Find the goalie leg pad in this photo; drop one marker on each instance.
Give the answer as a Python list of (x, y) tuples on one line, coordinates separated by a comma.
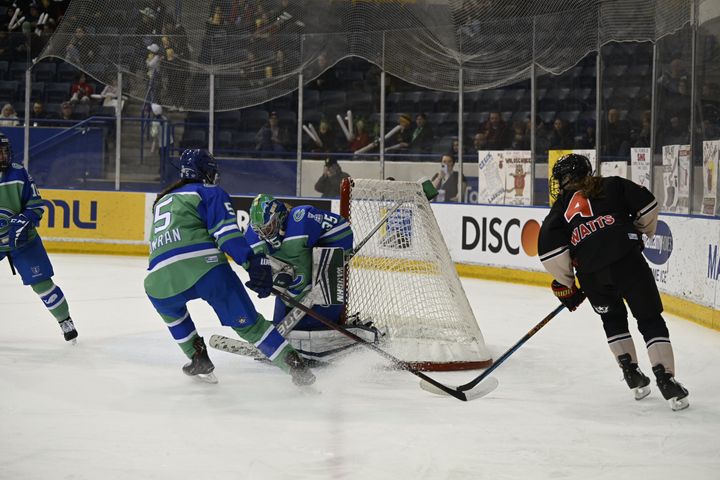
[(327, 345)]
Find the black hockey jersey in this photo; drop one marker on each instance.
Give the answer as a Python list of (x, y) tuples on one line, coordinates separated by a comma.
[(591, 234)]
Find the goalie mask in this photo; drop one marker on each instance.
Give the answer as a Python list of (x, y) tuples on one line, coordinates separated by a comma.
[(568, 169), (199, 165), (5, 153), (268, 218)]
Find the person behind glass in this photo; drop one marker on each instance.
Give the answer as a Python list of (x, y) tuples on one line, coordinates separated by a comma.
[(81, 91), (326, 138), (400, 142), (39, 116), (446, 180), (422, 135), (67, 115), (497, 134), (329, 182), (8, 116), (272, 137), (361, 138)]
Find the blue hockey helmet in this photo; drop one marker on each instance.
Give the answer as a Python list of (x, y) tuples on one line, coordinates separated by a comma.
[(5, 152), (199, 164), (267, 218)]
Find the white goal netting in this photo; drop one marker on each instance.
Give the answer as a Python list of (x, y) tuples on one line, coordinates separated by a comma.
[(404, 280)]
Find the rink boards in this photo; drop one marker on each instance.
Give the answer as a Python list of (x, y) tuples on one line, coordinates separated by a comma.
[(485, 241)]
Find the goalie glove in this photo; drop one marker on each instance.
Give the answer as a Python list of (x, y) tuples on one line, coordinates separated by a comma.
[(571, 297), (19, 231)]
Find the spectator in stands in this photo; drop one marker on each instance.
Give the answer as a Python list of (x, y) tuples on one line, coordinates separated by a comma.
[(561, 137), (498, 135), (480, 141), (586, 137), (67, 114), (422, 136), (162, 142), (79, 50), (81, 90), (272, 137), (109, 95), (329, 182), (446, 180), (454, 149), (641, 138), (670, 79), (8, 116), (327, 80), (521, 140), (39, 115), (615, 141), (676, 132), (326, 136), (361, 138), (400, 142)]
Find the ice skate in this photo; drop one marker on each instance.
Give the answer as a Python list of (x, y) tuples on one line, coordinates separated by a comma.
[(671, 389), (301, 374), (635, 379), (200, 366), (69, 332)]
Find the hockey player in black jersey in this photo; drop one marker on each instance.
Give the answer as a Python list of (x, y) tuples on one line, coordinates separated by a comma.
[(594, 230)]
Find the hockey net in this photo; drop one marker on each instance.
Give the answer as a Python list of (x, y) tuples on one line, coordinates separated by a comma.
[(404, 281)]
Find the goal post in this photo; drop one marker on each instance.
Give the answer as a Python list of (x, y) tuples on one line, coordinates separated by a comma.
[(404, 281)]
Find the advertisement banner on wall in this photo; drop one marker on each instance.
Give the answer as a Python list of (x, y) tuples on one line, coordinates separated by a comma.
[(504, 177), (107, 217), (711, 157), (683, 256), (500, 236), (676, 178), (554, 156), (613, 169), (640, 160)]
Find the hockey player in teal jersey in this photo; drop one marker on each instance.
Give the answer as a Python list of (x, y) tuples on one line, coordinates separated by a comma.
[(290, 236), (20, 211), (194, 226)]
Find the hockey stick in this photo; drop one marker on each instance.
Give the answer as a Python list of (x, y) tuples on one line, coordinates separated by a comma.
[(464, 395), (430, 387)]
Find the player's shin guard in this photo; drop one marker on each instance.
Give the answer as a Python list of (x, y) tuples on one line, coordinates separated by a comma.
[(53, 298), (183, 331)]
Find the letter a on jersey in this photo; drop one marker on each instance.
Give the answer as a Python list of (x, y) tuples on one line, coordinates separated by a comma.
[(579, 205)]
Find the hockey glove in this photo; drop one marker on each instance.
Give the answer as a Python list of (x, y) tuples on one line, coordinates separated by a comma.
[(571, 297), (261, 281), (19, 232), (282, 281)]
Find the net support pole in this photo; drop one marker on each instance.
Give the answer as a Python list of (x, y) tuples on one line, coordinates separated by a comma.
[(382, 112), (298, 155), (653, 115), (211, 116), (533, 114), (460, 135), (118, 128), (693, 52), (26, 130)]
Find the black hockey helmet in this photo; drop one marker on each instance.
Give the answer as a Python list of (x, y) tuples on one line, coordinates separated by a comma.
[(6, 155), (569, 168)]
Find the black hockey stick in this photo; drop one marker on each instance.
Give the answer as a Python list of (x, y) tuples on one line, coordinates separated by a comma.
[(12, 265), (463, 395), (499, 361)]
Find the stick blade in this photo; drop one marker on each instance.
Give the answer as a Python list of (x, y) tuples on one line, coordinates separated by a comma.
[(478, 391)]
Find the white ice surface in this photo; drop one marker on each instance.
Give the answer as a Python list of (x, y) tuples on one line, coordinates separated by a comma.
[(117, 406)]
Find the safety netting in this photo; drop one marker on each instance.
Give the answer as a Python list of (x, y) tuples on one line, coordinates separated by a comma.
[(180, 52)]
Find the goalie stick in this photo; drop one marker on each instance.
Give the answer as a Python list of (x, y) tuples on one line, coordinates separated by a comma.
[(431, 387), (464, 395)]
